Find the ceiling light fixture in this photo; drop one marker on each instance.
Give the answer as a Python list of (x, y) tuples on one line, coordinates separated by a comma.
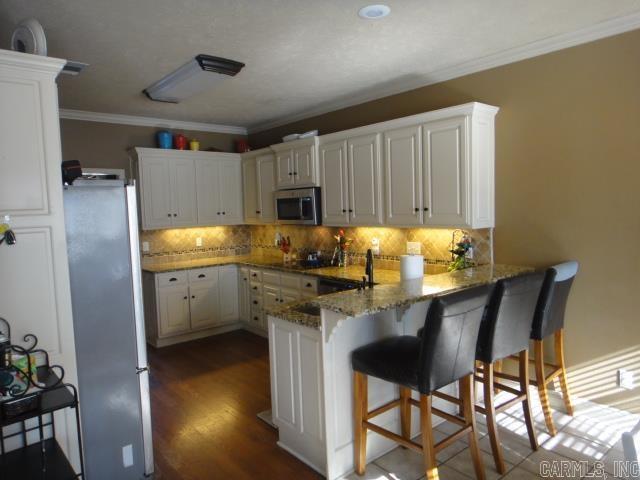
[(193, 77), (373, 12)]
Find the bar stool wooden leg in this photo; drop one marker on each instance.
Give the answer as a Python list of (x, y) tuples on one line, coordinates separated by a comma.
[(490, 412), (566, 396), (468, 406), (405, 412), (429, 454), (538, 351), (526, 403), (497, 367), (360, 410)]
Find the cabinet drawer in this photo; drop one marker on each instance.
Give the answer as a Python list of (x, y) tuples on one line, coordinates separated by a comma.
[(202, 274), (271, 278), (256, 288), (256, 316), (172, 278), (255, 275), (256, 302), (309, 285), (291, 282)]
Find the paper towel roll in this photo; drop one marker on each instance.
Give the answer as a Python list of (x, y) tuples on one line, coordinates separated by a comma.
[(411, 266)]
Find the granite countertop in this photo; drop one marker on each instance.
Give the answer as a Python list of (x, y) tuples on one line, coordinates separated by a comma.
[(350, 272), (354, 303)]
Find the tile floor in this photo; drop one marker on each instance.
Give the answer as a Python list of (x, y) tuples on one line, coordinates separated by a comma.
[(591, 435)]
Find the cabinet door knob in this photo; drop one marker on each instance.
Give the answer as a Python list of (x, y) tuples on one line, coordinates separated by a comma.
[(308, 285), (295, 173), (417, 209), (426, 209), (193, 296), (224, 213), (175, 214), (290, 173), (255, 288), (217, 213), (185, 298), (344, 210), (168, 214), (254, 274), (202, 275), (350, 211), (258, 212), (255, 318)]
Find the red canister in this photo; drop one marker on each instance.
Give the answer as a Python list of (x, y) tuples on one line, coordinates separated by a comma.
[(179, 141)]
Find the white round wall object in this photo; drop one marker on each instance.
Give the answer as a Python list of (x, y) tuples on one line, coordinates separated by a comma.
[(372, 12), (29, 37)]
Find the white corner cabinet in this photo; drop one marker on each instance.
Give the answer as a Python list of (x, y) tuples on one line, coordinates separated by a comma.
[(296, 163), (259, 185), (182, 188), (189, 304), (437, 170)]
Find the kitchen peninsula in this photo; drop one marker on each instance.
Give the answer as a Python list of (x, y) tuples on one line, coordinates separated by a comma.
[(310, 343)]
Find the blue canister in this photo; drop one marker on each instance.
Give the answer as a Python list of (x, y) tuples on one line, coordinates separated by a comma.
[(165, 139)]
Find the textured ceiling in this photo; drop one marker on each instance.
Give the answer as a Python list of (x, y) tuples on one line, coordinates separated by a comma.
[(299, 54)]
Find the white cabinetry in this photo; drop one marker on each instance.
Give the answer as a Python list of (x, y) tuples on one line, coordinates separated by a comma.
[(297, 163), (185, 305), (184, 188), (35, 296), (295, 355), (440, 173), (258, 173), (351, 181)]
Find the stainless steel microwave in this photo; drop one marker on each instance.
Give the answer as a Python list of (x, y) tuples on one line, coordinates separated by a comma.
[(300, 206)]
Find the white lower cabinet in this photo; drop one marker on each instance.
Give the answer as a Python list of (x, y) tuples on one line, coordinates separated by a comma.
[(185, 305), (295, 356)]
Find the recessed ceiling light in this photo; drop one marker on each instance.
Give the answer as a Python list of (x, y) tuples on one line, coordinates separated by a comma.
[(372, 12)]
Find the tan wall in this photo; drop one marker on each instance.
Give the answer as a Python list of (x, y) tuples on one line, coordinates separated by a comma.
[(105, 144), (567, 186)]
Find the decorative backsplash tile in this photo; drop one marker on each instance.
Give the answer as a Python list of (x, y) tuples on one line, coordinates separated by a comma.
[(179, 243)]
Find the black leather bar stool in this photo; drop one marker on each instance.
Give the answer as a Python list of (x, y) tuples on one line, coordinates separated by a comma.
[(444, 354), (505, 330), (549, 320)]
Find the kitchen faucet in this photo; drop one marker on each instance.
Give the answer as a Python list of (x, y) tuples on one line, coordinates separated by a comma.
[(368, 269)]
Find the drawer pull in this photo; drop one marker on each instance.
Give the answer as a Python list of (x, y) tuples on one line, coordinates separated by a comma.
[(193, 296), (255, 302), (255, 318), (202, 275), (185, 298), (255, 288), (173, 279), (254, 274), (309, 285)]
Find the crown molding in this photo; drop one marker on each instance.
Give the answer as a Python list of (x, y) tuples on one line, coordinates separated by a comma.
[(116, 118), (9, 58), (598, 31)]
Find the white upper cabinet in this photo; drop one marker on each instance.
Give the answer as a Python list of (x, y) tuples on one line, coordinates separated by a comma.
[(334, 183), (266, 188), (250, 189), (182, 176), (432, 169), (296, 163), (284, 169), (402, 166), (363, 163), (155, 192), (259, 182), (184, 188), (446, 165), (207, 173), (229, 186)]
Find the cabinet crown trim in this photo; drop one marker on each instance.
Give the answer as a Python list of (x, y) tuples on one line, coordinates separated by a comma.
[(10, 58)]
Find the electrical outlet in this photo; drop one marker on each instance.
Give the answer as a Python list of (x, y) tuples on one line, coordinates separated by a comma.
[(127, 456), (199, 242), (414, 248), (625, 379), (375, 246), (145, 246)]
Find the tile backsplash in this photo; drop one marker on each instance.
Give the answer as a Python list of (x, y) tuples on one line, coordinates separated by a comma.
[(260, 239)]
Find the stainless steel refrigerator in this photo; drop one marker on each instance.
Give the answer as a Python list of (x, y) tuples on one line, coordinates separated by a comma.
[(108, 317)]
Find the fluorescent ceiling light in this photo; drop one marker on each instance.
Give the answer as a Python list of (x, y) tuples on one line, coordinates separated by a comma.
[(371, 12), (193, 77)]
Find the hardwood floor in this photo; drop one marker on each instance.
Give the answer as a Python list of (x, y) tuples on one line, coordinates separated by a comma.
[(205, 396)]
